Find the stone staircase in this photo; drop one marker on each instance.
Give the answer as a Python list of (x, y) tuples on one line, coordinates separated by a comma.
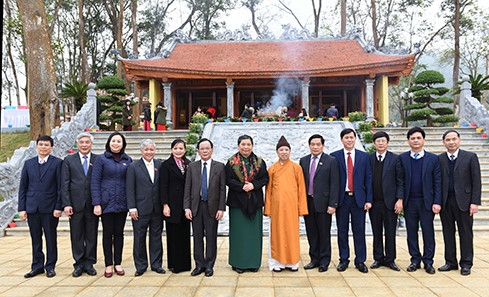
[(471, 141)]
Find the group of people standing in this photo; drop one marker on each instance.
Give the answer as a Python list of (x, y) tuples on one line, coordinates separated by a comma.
[(348, 183)]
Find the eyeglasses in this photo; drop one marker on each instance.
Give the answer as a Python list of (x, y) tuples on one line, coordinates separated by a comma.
[(205, 149)]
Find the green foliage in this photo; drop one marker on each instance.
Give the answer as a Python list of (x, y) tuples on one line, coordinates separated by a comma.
[(356, 116), (364, 127), (446, 119), (200, 119), (368, 137), (444, 111), (370, 149), (192, 138), (428, 98), (478, 84), (114, 89), (429, 77), (195, 128), (111, 82), (415, 106), (76, 90), (190, 151), (443, 100)]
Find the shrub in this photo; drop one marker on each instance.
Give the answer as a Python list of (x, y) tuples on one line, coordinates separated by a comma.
[(365, 127), (200, 119), (195, 128), (356, 116), (192, 138), (368, 137), (190, 151)]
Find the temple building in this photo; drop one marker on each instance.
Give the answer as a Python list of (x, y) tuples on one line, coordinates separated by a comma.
[(304, 72)]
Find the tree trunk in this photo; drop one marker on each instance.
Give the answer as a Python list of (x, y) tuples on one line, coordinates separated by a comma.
[(41, 83), (85, 73), (456, 54), (343, 17), (375, 32)]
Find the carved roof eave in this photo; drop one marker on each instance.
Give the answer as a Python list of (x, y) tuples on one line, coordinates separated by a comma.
[(396, 68)]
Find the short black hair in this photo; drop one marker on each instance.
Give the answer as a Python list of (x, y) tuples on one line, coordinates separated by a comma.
[(347, 131), (124, 143), (177, 141), (415, 130), (204, 139), (380, 134), (316, 136), (244, 137), (45, 138), (450, 131)]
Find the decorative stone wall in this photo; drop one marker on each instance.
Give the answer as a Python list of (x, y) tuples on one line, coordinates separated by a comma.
[(64, 139)]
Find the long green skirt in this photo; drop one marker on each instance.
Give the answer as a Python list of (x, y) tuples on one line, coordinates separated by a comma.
[(245, 239)]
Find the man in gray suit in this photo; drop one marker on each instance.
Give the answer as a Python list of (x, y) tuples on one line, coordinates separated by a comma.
[(204, 203), (322, 178), (461, 197), (145, 209), (388, 193), (76, 174)]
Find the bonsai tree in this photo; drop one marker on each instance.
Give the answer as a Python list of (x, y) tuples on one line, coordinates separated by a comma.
[(113, 90), (430, 100)]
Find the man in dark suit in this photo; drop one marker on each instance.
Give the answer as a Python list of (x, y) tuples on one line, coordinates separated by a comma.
[(204, 203), (388, 193), (461, 196), (321, 176), (40, 204), (422, 198), (145, 209), (356, 183), (76, 174)]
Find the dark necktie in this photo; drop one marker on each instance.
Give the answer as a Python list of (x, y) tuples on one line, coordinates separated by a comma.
[(452, 158), (350, 172), (312, 171), (85, 165), (204, 182), (416, 156)]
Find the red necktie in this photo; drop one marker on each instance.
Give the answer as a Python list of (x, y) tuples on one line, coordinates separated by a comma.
[(350, 172)]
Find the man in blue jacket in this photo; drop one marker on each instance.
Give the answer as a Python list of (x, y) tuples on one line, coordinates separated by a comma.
[(40, 204), (422, 198)]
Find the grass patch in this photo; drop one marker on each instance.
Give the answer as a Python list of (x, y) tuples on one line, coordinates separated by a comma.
[(9, 142)]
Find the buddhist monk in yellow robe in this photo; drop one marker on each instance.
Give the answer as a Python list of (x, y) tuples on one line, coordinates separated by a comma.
[(285, 201)]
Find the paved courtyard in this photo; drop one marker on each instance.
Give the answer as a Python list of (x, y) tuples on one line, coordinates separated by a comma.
[(15, 256)]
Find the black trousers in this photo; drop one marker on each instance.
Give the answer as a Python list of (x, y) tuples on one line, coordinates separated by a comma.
[(318, 229), (153, 222), (113, 237), (40, 223), (384, 224), (83, 236), (204, 223), (450, 214)]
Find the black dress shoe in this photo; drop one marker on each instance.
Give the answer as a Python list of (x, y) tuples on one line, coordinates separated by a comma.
[(33, 273), (429, 269), (209, 272), (238, 270), (139, 272), (197, 271), (323, 268), (465, 271), (447, 267), (361, 267), (392, 266), (77, 272), (91, 271), (50, 273), (342, 266), (311, 266), (375, 265), (413, 267), (159, 270), (253, 269), (292, 269)]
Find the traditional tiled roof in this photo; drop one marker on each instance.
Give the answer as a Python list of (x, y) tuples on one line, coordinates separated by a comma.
[(266, 59)]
